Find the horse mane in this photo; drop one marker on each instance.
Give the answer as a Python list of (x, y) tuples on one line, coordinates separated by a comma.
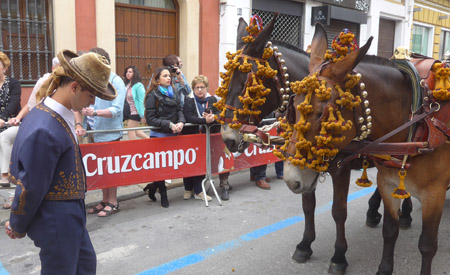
[(289, 46), (378, 60)]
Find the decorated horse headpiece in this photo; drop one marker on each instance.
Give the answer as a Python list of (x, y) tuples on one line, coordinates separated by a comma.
[(332, 123), (254, 93)]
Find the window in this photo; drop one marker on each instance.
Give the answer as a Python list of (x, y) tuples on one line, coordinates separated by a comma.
[(26, 37), (164, 4), (444, 51), (287, 28), (420, 39)]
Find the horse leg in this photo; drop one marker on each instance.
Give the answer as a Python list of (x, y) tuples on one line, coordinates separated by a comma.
[(341, 181), (373, 217), (432, 207), (405, 217), (303, 250)]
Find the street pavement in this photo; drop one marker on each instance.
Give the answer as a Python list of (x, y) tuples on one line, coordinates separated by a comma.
[(255, 232)]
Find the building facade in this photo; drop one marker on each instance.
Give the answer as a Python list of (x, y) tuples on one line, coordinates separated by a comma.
[(142, 32)]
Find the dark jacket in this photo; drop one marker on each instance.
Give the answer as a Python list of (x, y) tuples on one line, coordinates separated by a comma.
[(12, 107), (193, 116), (160, 110)]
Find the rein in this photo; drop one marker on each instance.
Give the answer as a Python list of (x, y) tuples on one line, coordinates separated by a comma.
[(377, 147)]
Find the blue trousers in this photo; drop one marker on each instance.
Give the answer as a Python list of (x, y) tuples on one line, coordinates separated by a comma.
[(59, 230), (279, 168), (259, 172)]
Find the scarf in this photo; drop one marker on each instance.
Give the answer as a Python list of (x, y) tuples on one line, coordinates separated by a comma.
[(51, 83), (201, 104), (166, 91)]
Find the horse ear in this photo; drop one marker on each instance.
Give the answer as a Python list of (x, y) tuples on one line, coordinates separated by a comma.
[(241, 32), (256, 48), (339, 70), (319, 46)]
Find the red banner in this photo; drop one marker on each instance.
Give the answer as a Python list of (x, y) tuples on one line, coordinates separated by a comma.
[(122, 163)]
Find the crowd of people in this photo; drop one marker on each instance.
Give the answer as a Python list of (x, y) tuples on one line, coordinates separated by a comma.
[(45, 161), (167, 103)]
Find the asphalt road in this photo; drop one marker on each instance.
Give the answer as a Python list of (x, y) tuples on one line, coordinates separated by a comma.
[(255, 232)]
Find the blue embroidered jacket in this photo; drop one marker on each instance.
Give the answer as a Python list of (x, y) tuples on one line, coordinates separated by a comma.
[(46, 164)]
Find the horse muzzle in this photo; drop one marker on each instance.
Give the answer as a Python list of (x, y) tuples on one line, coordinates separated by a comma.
[(233, 139), (299, 180)]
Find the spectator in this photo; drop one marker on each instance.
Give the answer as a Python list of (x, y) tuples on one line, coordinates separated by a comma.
[(178, 79), (46, 164), (163, 109), (198, 110), (107, 115), (10, 92), (7, 137), (134, 101), (258, 174)]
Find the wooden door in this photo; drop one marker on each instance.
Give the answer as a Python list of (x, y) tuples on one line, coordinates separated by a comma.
[(144, 36), (386, 36)]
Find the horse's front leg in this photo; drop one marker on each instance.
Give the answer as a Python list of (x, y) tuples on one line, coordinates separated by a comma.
[(405, 218), (341, 181), (303, 250)]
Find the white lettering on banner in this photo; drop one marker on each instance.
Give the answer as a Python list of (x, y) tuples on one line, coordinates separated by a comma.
[(85, 159), (111, 168), (251, 150), (127, 163), (133, 162)]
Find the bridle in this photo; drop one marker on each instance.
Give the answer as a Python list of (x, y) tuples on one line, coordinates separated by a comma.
[(255, 79)]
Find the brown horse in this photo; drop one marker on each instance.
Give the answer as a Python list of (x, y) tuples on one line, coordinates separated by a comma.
[(297, 63), (388, 102)]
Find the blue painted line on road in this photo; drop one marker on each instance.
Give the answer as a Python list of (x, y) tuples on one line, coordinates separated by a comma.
[(3, 270), (205, 254)]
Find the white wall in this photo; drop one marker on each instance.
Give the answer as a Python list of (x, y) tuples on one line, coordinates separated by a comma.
[(229, 21)]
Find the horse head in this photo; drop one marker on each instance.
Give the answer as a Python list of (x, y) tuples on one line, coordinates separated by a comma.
[(256, 81), (321, 115)]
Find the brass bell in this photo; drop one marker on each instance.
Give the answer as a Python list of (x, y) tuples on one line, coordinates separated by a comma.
[(362, 86), (269, 43), (358, 75), (366, 103), (275, 48), (364, 94), (360, 120), (285, 69), (282, 61), (369, 131), (368, 111), (286, 75), (369, 119), (282, 90), (363, 128), (369, 125), (287, 82), (288, 90), (279, 54)]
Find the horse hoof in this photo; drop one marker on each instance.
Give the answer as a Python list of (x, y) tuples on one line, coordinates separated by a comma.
[(404, 222), (372, 221), (337, 269), (301, 256)]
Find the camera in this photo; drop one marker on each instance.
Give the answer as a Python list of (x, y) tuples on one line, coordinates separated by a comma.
[(173, 69), (208, 110)]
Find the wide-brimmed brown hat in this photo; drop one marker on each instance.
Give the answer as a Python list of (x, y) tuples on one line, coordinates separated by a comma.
[(91, 71)]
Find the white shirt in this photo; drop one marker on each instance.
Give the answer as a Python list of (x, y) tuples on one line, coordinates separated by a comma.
[(65, 113)]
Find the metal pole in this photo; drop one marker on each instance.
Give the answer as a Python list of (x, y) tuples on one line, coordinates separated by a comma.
[(208, 176)]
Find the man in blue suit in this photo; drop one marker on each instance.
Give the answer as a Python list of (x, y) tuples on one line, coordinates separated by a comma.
[(47, 168)]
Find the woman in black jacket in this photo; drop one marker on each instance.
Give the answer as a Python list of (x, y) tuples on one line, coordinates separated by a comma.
[(10, 92), (200, 110), (163, 110)]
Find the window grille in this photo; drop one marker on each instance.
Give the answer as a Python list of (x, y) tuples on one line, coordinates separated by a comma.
[(26, 37), (287, 28)]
